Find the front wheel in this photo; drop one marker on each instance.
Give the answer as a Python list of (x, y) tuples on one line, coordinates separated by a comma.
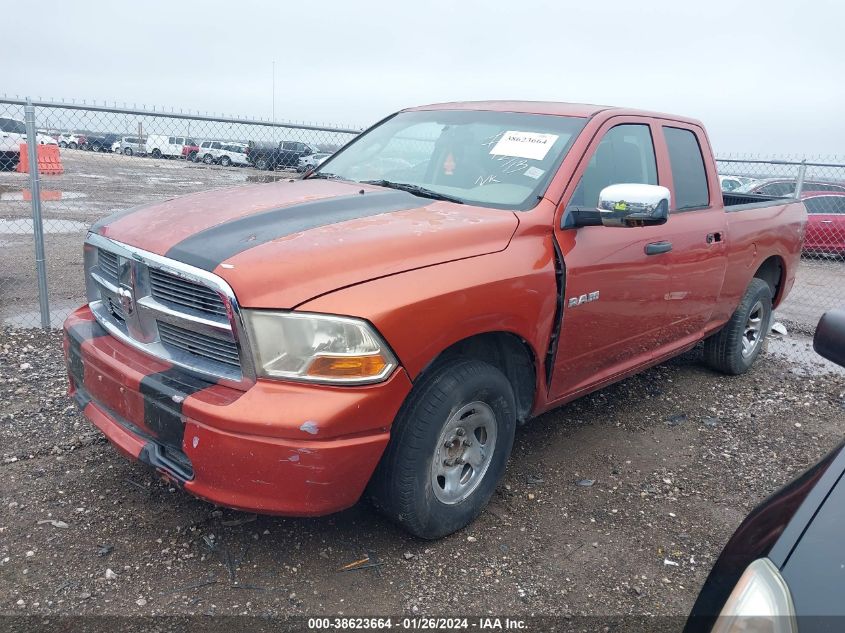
[(62, 144), (156, 153), (262, 163), (128, 151), (448, 449), (734, 348), (225, 161), (208, 159)]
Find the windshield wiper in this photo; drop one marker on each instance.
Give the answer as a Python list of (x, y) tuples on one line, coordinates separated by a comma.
[(416, 190), (323, 174)]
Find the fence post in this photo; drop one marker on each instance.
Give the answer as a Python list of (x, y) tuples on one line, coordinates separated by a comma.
[(37, 225), (799, 184)]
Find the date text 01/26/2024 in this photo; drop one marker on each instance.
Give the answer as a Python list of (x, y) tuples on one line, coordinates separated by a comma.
[(416, 623)]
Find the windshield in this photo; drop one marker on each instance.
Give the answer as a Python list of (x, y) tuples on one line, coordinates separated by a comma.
[(494, 159)]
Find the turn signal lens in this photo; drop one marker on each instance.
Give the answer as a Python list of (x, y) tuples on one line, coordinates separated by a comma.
[(347, 366)]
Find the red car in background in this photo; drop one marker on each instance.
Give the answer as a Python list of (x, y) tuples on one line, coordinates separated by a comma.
[(190, 149), (825, 222)]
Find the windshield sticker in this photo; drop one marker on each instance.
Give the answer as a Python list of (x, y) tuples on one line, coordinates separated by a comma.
[(534, 172), (533, 145)]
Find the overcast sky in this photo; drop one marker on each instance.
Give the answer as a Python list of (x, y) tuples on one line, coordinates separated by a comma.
[(765, 77)]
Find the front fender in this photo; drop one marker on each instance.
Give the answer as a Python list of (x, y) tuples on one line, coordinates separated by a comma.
[(422, 312)]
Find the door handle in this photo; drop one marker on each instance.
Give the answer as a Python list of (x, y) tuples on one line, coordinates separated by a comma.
[(655, 248), (714, 237), (827, 221)]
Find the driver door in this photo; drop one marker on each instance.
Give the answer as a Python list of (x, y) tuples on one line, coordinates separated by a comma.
[(614, 308)]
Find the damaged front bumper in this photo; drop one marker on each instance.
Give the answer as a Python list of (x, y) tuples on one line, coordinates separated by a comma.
[(277, 448)]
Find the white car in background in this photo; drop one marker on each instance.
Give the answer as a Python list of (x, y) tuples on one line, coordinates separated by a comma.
[(12, 134), (159, 145), (70, 140), (312, 160), (732, 183), (222, 153)]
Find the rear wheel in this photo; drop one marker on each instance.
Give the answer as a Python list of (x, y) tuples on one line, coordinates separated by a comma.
[(225, 161), (208, 159), (448, 449), (734, 348), (96, 147), (262, 163), (62, 144), (156, 153), (128, 151)]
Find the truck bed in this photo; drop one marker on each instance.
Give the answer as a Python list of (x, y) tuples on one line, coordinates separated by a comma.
[(741, 201)]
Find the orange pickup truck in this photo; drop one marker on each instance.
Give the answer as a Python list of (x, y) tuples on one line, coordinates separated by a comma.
[(382, 325)]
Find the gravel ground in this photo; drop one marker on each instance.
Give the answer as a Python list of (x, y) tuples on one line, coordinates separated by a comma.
[(669, 462)]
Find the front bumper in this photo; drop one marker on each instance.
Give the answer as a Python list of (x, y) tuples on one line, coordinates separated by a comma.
[(277, 448)]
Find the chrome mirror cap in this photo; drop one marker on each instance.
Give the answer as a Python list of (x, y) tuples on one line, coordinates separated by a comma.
[(634, 204)]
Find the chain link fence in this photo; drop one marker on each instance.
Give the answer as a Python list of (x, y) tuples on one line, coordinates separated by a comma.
[(94, 160)]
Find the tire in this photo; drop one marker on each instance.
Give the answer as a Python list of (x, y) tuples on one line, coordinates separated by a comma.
[(225, 161), (192, 157), (410, 485), (83, 146), (96, 147), (262, 163), (127, 151), (156, 153), (734, 348), (208, 159), (63, 145)]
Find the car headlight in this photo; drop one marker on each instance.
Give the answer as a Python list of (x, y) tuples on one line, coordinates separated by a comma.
[(317, 348), (759, 603)]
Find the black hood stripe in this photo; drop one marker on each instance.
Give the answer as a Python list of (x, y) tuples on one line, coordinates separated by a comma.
[(208, 248)]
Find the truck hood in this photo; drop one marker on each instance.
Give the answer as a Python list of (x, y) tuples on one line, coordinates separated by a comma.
[(281, 244)]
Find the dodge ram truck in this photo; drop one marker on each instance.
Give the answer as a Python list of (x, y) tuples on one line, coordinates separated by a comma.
[(381, 326)]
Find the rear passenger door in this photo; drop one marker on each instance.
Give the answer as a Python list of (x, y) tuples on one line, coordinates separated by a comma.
[(697, 229)]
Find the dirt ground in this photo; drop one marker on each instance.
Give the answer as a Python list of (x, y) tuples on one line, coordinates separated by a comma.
[(669, 462)]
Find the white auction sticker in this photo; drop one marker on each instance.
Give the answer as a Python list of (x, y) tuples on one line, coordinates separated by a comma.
[(534, 145), (533, 172)]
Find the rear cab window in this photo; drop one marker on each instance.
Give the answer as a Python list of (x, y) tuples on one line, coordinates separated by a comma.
[(689, 175)]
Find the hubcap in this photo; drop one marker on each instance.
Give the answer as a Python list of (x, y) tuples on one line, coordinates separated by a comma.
[(463, 452), (753, 330)]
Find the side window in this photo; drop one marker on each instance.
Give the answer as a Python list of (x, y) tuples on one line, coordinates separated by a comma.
[(289, 145), (777, 189), (172, 140), (624, 155), (216, 145), (825, 205), (688, 174)]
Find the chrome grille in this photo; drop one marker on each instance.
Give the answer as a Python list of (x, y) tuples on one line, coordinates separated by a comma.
[(174, 290), (200, 344), (108, 264), (179, 313)]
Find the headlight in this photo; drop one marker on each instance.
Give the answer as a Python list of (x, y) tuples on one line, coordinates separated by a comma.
[(759, 603), (317, 348)]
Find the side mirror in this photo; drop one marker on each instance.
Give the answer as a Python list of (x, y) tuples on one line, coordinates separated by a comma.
[(829, 339), (634, 205)]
